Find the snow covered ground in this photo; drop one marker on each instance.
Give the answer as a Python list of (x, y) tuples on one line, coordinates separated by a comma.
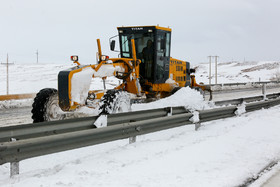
[(221, 153)]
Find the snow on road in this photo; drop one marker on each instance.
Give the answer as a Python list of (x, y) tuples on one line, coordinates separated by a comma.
[(221, 153)]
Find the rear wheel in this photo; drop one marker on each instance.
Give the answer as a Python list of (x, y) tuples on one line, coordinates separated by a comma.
[(45, 106), (115, 101)]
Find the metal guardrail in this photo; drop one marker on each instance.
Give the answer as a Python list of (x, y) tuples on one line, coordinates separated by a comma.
[(26, 131), (246, 99), (245, 83), (27, 148)]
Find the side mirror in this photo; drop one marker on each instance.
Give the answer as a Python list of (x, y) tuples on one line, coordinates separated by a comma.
[(192, 70), (162, 44), (112, 45)]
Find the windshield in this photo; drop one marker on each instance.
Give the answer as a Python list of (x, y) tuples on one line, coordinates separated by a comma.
[(144, 45), (141, 41)]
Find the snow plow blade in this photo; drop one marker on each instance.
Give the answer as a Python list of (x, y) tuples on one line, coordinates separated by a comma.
[(69, 83)]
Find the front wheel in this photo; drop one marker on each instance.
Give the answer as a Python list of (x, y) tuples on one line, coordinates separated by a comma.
[(45, 106), (115, 101)]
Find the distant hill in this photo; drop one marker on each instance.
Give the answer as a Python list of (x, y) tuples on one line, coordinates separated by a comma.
[(229, 72)]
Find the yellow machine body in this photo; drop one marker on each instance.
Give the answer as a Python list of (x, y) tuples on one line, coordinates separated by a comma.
[(144, 66)]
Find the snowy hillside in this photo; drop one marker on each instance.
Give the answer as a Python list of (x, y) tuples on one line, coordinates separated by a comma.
[(30, 78), (230, 72)]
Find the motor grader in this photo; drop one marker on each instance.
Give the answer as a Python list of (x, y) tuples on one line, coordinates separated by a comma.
[(144, 66)]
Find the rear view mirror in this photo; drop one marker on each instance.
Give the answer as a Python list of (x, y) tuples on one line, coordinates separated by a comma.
[(112, 45)]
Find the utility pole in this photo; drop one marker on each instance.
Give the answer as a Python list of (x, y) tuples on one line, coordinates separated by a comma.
[(210, 69), (7, 74), (37, 53), (216, 69)]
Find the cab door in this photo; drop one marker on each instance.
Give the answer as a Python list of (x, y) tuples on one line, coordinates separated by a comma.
[(162, 56)]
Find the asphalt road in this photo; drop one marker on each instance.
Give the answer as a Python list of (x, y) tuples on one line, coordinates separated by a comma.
[(15, 116)]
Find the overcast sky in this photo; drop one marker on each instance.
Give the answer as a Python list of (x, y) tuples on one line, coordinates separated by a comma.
[(232, 29)]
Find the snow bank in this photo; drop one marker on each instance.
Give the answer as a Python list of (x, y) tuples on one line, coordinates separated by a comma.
[(186, 96)]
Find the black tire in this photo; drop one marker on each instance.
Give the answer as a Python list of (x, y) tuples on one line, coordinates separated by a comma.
[(43, 102), (111, 101)]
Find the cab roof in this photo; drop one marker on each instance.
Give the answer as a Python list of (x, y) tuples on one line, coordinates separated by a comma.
[(146, 27)]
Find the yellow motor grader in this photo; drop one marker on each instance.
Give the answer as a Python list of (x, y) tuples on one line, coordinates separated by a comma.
[(145, 69)]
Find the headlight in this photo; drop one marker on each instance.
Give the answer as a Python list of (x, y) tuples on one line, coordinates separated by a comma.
[(104, 58), (74, 58)]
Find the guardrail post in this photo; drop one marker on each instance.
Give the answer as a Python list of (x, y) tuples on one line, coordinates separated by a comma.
[(169, 111), (14, 166), (132, 139), (264, 91), (197, 126), (195, 119)]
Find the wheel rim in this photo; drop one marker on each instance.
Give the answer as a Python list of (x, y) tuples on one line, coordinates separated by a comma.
[(53, 111), (122, 103)]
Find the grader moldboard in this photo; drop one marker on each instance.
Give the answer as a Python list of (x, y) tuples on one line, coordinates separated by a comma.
[(145, 68)]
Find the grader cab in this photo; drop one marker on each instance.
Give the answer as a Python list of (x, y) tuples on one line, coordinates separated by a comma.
[(145, 69)]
